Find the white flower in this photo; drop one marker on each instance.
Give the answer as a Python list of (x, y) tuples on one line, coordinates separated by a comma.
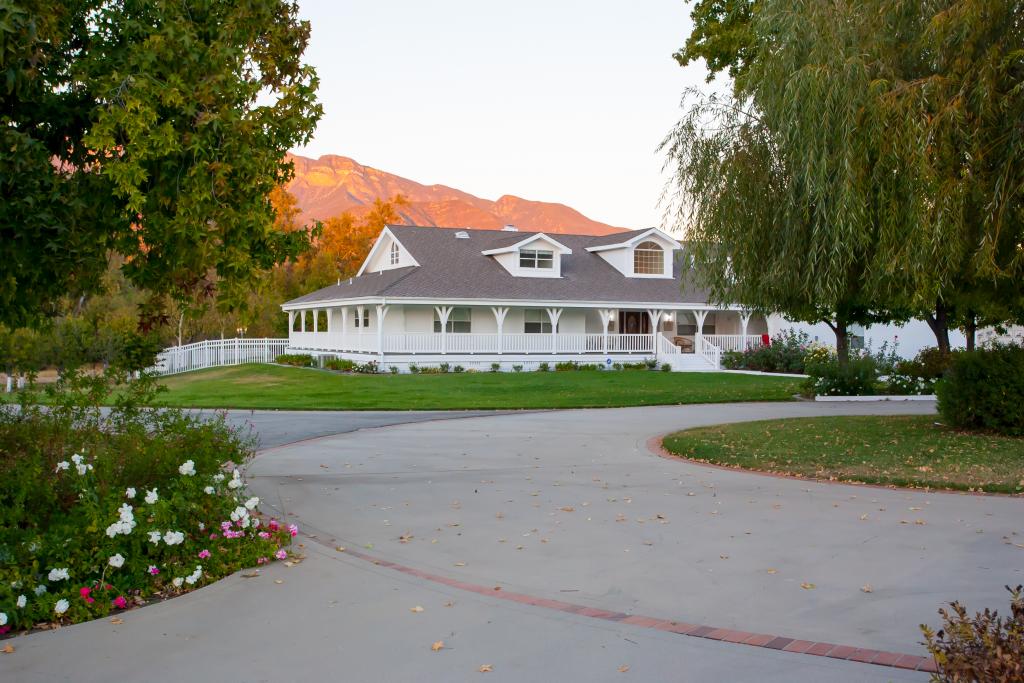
[(130, 492), (209, 490), (174, 537), (3, 619), (218, 478), (154, 536), (178, 581), (58, 574), (239, 513), (77, 459), (116, 561), (202, 527), (62, 465), (194, 576), (125, 513), (188, 468), (252, 503), (234, 483), (61, 607), (151, 497), (82, 469), (22, 601), (246, 521), (40, 589), (16, 584)]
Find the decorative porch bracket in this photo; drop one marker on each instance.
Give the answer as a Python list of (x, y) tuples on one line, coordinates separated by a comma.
[(499, 317), (443, 312), (744, 321), (553, 315), (699, 317), (655, 315), (607, 315)]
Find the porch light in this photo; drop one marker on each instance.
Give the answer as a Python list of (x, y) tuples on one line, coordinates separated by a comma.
[(668, 317)]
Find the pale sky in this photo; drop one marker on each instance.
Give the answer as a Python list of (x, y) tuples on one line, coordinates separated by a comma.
[(554, 101)]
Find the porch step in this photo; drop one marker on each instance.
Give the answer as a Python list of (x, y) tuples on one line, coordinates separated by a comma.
[(687, 362)]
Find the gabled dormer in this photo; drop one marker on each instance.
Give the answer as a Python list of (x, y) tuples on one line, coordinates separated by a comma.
[(535, 256), (387, 253), (639, 254)]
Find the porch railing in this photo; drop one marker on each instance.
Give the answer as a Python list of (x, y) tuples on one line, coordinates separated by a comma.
[(734, 342), (710, 351), (457, 342), (215, 352)]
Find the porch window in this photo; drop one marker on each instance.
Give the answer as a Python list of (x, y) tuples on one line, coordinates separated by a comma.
[(536, 321), (648, 259), (536, 259), (365, 322), (458, 321), (393, 254)]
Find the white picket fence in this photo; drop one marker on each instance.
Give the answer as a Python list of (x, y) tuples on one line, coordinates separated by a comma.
[(212, 353)]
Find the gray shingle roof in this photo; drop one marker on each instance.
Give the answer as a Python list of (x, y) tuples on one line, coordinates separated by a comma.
[(454, 268)]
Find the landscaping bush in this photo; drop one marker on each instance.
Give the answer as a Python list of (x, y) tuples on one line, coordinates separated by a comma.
[(984, 389), (299, 360), (651, 363), (983, 648), (495, 367), (565, 366), (340, 364), (103, 510), (517, 368), (543, 367), (393, 369), (368, 368), (919, 375), (459, 368), (414, 369), (444, 367), (859, 377), (787, 352), (665, 367)]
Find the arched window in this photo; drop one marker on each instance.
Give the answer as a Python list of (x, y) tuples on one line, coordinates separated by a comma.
[(648, 259), (394, 255)]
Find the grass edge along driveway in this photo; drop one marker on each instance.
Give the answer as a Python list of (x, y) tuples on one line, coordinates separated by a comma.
[(279, 387), (908, 450)]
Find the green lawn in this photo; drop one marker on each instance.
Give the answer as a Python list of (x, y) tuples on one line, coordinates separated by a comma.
[(903, 451), (269, 386)]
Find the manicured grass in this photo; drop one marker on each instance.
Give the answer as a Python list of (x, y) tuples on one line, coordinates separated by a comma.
[(902, 451), (270, 386)]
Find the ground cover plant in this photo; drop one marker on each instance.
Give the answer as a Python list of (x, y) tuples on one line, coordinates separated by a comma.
[(901, 450), (268, 386), (102, 510)]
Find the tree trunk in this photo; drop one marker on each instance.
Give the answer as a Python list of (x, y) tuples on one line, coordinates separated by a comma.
[(842, 332), (971, 331), (939, 322)]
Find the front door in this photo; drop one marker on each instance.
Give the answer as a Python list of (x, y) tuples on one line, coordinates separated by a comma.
[(634, 322)]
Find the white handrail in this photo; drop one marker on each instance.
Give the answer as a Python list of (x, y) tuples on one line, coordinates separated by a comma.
[(211, 353), (712, 353), (734, 342)]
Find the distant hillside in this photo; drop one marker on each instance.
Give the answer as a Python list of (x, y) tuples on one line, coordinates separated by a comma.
[(332, 184)]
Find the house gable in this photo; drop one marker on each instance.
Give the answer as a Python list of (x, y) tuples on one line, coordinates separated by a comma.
[(537, 255), (387, 253), (646, 254)]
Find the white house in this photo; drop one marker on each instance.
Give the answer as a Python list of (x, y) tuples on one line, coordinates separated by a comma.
[(427, 296)]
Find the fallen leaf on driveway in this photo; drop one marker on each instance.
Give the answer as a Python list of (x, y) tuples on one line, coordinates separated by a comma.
[(808, 586), (624, 668), (340, 548), (417, 609), (278, 581), (460, 564), (568, 508), (8, 649), (250, 575), (484, 668), (773, 571), (437, 646), (117, 620), (867, 588)]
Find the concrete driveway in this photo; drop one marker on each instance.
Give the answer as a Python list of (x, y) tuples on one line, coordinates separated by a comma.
[(554, 509)]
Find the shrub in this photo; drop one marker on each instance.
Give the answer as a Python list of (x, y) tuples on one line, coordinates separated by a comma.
[(459, 368), (565, 366), (543, 367), (589, 366), (101, 510), (300, 360), (984, 389), (495, 367), (414, 369), (340, 364), (616, 366), (788, 351), (651, 363), (368, 368), (444, 367), (430, 370), (517, 368), (859, 377), (634, 366), (983, 648), (393, 369), (665, 367)]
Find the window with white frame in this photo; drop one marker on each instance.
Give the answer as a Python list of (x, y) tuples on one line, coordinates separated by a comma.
[(648, 259), (459, 320), (536, 259), (365, 322), (537, 321), (394, 255)]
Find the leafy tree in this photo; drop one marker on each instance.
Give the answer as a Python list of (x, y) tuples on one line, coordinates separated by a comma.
[(154, 130), (721, 36)]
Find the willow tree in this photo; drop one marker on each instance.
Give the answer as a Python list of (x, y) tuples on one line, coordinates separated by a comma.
[(785, 186), (154, 131)]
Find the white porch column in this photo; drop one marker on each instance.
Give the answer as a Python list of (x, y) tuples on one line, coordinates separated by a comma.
[(344, 327), (499, 317), (655, 315), (291, 324), (358, 346), (699, 316), (607, 315), (302, 321), (316, 319), (330, 313), (744, 321), (382, 313), (443, 312), (553, 315)]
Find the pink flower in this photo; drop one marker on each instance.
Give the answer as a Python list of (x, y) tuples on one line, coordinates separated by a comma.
[(264, 535), (261, 560), (84, 592), (225, 525), (213, 537), (203, 554), (120, 602), (4, 629), (281, 554), (153, 570), (274, 526), (293, 530)]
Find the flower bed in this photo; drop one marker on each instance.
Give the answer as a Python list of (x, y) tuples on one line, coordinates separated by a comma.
[(100, 512)]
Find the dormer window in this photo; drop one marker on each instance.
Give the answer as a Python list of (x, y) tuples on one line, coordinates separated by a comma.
[(648, 259), (536, 259), (394, 255)]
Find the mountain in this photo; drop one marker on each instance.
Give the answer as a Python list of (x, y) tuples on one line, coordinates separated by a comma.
[(333, 184)]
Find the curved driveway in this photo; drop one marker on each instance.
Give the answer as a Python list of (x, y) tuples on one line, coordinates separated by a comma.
[(567, 505)]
